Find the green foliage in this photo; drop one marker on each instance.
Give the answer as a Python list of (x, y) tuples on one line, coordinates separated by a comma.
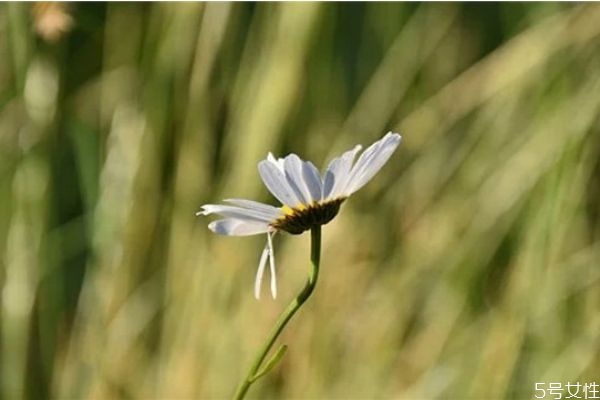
[(469, 268)]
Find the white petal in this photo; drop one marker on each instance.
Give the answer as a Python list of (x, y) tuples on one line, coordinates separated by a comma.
[(329, 178), (293, 173), (370, 162), (261, 269), (312, 178), (236, 212), (265, 209), (278, 162), (272, 266), (366, 156), (277, 184), (338, 172), (238, 227)]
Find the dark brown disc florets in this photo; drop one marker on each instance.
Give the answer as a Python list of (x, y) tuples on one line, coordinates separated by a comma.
[(297, 220)]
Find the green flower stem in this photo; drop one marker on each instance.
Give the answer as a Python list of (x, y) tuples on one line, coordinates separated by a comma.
[(284, 318)]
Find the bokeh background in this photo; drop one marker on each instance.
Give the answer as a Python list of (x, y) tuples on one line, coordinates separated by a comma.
[(469, 268)]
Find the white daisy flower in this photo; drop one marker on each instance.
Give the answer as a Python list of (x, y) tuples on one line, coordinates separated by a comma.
[(308, 199)]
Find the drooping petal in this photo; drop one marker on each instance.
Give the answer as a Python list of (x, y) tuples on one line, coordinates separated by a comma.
[(370, 162), (272, 265), (261, 269), (237, 212), (277, 184), (338, 172), (238, 227), (266, 209)]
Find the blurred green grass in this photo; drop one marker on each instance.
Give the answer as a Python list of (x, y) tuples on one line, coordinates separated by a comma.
[(469, 268)]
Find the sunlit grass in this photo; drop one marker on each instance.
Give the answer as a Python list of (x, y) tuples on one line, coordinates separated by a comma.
[(468, 269)]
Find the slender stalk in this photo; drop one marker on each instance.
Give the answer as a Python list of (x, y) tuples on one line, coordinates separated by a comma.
[(288, 313)]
